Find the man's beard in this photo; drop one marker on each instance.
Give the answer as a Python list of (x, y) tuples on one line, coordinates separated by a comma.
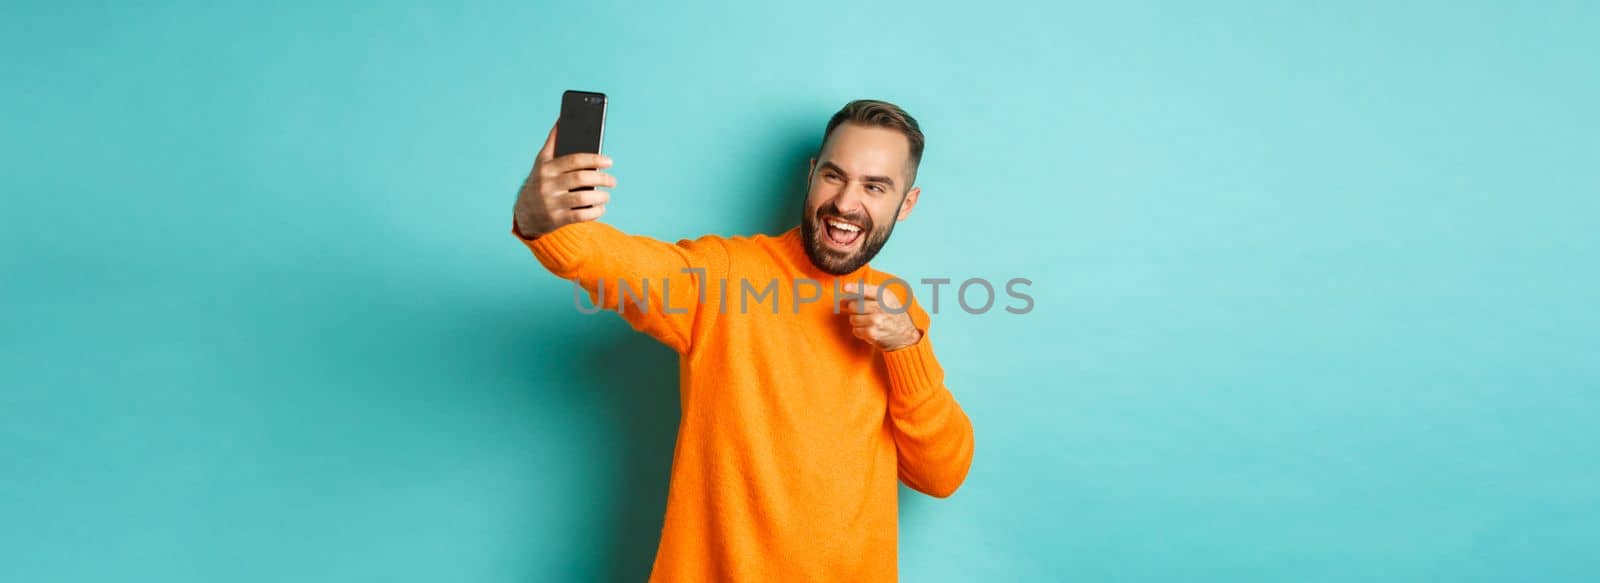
[(841, 262)]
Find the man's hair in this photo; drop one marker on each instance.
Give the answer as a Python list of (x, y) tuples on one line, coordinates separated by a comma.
[(874, 113)]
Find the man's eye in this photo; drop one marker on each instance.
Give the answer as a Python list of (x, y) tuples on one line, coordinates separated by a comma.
[(834, 177), (875, 188)]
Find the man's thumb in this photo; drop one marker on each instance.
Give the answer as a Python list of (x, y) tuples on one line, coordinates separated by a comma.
[(548, 152)]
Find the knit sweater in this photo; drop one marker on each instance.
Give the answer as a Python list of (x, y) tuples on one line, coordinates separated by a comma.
[(793, 431)]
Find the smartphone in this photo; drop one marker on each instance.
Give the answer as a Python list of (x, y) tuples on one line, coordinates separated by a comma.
[(581, 125)]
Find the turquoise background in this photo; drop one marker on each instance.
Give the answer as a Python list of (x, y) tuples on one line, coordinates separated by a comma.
[(1315, 284)]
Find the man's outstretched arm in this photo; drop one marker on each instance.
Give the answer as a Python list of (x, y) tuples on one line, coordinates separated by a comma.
[(655, 286), (932, 435)]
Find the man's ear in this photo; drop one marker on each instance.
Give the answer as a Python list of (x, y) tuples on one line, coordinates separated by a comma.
[(907, 204), (811, 171)]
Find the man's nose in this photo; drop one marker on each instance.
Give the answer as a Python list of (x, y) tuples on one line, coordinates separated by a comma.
[(849, 200)]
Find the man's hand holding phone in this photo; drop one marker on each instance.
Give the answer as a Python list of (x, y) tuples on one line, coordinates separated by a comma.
[(551, 197)]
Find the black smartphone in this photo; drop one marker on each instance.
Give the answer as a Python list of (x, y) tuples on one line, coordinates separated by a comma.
[(581, 125)]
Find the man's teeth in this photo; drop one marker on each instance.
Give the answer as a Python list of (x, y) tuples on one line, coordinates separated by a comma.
[(843, 226)]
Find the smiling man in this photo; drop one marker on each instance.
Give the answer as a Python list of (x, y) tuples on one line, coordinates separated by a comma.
[(808, 386)]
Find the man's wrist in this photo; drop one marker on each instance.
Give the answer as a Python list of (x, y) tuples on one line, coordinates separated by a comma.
[(516, 229), (916, 336)]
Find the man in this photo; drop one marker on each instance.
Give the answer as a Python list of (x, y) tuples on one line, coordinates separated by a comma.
[(807, 386)]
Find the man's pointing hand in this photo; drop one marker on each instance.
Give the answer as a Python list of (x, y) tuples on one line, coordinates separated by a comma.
[(878, 316)]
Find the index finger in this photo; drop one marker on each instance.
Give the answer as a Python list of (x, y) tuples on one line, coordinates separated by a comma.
[(877, 294), (578, 161), (858, 305), (859, 289)]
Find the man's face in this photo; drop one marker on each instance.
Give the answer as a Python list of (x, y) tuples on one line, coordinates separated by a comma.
[(859, 187)]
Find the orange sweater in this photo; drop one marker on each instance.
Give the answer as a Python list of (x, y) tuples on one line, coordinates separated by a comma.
[(793, 430)]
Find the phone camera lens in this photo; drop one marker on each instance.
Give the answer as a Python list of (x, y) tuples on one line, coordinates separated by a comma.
[(593, 99)]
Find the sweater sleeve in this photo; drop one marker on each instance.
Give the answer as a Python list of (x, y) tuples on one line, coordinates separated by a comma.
[(657, 287), (932, 435)]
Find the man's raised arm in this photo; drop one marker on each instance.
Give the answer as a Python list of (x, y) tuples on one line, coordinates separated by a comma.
[(656, 286)]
